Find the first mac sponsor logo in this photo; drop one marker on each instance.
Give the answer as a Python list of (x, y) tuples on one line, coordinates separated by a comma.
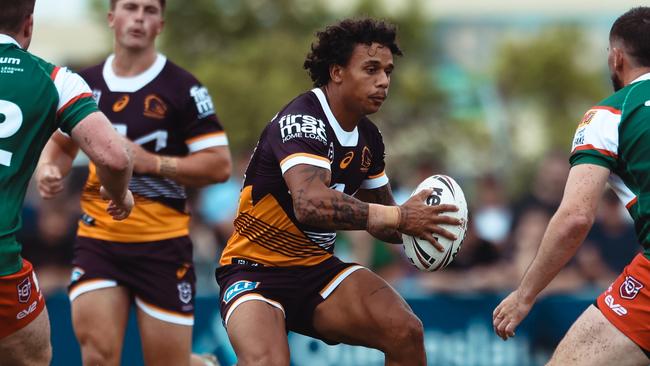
[(238, 288), (302, 126)]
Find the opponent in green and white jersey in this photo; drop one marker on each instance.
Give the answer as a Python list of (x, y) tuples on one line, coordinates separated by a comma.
[(615, 134), (36, 98)]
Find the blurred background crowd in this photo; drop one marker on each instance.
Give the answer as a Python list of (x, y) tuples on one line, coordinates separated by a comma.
[(489, 96)]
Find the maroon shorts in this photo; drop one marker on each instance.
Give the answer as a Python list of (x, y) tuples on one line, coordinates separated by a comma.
[(294, 290), (159, 274), (21, 300)]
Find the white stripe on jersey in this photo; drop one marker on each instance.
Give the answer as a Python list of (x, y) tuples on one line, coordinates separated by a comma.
[(346, 138), (69, 86), (134, 83), (622, 191), (374, 183), (221, 140), (599, 133), (301, 159)]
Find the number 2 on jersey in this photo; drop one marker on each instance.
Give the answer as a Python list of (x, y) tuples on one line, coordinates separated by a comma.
[(11, 118)]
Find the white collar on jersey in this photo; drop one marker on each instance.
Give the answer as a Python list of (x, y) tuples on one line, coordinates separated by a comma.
[(133, 83), (346, 139), (645, 76), (4, 38)]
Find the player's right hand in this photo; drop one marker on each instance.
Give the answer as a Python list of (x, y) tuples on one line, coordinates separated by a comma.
[(118, 209), (423, 221), (49, 180)]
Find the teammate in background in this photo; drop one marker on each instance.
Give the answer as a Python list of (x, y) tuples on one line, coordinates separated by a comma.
[(37, 98), (319, 167), (612, 144), (170, 123)]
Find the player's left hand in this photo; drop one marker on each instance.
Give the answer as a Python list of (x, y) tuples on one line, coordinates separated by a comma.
[(510, 312)]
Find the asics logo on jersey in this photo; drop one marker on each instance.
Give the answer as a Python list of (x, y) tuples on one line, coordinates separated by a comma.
[(302, 126), (630, 288), (10, 60), (237, 288), (121, 103), (347, 159), (203, 101)]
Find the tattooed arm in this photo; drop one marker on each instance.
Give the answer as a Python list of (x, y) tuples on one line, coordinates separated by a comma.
[(382, 195), (316, 204)]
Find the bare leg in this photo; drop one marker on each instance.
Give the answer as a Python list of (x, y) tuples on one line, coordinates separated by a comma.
[(99, 319), (365, 310), (30, 346), (258, 335), (164, 343), (593, 341)]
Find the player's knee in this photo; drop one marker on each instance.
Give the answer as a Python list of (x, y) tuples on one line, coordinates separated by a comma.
[(269, 358), (94, 352), (408, 334)]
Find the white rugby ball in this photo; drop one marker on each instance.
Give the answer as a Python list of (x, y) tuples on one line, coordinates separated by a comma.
[(420, 252)]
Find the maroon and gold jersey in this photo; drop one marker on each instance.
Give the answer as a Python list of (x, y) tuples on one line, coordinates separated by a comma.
[(304, 132), (166, 111)]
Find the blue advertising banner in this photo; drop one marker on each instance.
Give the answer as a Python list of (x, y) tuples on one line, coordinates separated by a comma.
[(458, 331)]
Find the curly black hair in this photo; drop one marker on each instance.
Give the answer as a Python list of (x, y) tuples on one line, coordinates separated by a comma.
[(336, 44), (633, 28)]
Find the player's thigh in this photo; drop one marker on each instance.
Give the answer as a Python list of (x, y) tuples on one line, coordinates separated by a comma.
[(99, 319), (592, 341), (365, 310), (258, 334), (164, 342), (28, 346)]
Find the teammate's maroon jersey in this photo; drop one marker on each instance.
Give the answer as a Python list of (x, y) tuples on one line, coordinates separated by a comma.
[(168, 112), (304, 132)]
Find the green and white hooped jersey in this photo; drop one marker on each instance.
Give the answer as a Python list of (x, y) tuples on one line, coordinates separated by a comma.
[(36, 99), (615, 134)]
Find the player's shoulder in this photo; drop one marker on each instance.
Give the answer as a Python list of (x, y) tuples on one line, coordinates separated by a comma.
[(305, 103), (94, 71), (179, 75)]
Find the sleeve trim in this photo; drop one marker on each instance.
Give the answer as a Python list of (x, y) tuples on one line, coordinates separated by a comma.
[(302, 158), (592, 147), (374, 183), (207, 141), (606, 108), (73, 101)]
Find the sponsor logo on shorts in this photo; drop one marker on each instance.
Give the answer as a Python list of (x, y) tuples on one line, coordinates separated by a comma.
[(185, 292), (76, 274), (630, 288), (24, 290), (238, 288), (617, 308), (302, 126), (27, 311), (182, 270)]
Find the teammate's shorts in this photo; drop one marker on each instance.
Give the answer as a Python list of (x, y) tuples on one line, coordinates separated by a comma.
[(159, 274), (626, 303), (294, 290), (21, 300)]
